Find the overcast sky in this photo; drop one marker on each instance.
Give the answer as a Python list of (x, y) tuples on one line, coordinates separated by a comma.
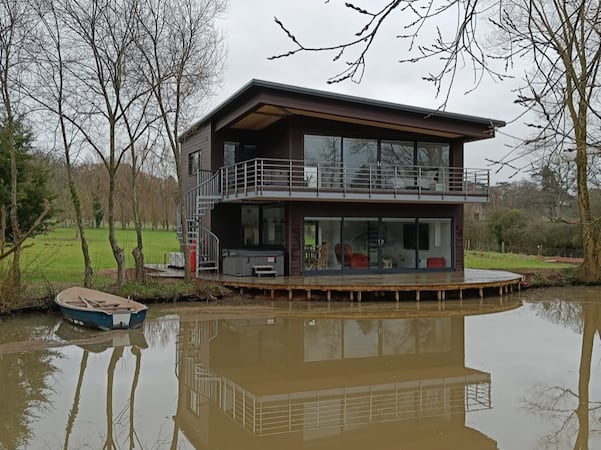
[(252, 36)]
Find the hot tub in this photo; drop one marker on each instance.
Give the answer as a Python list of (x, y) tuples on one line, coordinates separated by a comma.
[(240, 262)]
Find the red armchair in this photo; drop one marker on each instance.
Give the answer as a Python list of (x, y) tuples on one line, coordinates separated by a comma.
[(436, 262), (352, 260)]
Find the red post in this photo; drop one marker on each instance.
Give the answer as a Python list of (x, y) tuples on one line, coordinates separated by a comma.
[(193, 256)]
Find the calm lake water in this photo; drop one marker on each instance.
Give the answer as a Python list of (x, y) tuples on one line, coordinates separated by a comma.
[(520, 372)]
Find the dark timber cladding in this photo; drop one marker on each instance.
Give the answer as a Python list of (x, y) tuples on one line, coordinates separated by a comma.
[(335, 186)]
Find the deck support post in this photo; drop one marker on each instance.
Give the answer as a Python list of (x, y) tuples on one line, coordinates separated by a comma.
[(289, 294), (329, 295), (460, 294), (359, 296), (396, 296), (481, 293), (352, 295), (272, 294), (417, 296), (308, 294), (500, 291), (241, 291)]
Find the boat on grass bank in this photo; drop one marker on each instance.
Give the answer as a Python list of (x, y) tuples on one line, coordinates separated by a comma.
[(92, 308)]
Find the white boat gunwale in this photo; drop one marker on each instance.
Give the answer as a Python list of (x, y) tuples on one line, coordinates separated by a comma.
[(82, 299)]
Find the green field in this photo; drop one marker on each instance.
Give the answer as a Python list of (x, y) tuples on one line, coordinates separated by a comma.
[(57, 257), (508, 261)]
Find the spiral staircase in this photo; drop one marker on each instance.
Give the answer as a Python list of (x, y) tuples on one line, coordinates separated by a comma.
[(204, 244)]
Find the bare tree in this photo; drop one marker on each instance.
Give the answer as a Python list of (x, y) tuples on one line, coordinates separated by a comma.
[(105, 31), (17, 27), (183, 59), (52, 91), (558, 41)]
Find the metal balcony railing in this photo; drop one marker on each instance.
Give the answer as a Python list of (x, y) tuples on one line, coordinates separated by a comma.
[(261, 175)]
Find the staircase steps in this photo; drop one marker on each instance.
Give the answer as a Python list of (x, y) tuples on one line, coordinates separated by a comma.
[(262, 270)]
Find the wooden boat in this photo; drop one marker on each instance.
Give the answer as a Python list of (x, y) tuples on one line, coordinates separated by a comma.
[(97, 309)]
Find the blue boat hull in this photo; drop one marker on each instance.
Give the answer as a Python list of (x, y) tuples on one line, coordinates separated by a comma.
[(103, 320)]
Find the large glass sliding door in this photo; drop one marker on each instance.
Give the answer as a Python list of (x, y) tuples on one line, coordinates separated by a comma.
[(398, 252), (321, 236), (434, 160), (353, 244), (360, 247), (350, 162), (360, 157), (437, 243), (322, 156)]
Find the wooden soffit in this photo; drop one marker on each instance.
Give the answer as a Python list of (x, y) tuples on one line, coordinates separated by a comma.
[(266, 115)]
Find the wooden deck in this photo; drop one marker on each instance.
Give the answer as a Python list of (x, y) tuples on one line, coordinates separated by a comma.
[(438, 285)]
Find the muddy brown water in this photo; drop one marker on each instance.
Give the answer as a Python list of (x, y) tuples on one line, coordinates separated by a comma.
[(519, 372)]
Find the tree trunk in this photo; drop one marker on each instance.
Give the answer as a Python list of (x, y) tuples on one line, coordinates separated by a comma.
[(183, 213), (138, 251), (88, 271), (118, 252), (584, 378), (590, 237), (14, 208)]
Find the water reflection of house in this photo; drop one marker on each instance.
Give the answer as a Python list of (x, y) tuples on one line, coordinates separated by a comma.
[(324, 383)]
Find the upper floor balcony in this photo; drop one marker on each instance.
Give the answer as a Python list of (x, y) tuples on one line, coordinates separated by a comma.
[(279, 179)]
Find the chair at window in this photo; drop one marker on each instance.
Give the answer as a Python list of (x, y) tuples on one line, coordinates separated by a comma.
[(428, 179), (322, 256), (310, 258), (348, 253), (436, 262), (352, 260)]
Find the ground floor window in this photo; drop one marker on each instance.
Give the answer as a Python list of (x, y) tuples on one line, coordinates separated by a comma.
[(262, 225), (358, 244)]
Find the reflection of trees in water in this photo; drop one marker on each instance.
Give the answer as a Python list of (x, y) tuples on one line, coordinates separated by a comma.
[(399, 336), (566, 314), (75, 407), (161, 333), (570, 411), (27, 375), (367, 326)]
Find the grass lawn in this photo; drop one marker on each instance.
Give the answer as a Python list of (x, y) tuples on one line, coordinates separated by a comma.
[(57, 256), (508, 261)]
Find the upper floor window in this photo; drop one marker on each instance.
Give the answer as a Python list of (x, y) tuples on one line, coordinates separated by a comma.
[(194, 164), (433, 154), (397, 153), (365, 152), (229, 153), (323, 148)]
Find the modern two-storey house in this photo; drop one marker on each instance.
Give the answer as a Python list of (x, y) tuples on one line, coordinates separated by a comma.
[(297, 181)]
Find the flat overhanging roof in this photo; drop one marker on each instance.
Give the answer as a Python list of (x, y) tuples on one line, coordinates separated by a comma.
[(260, 104)]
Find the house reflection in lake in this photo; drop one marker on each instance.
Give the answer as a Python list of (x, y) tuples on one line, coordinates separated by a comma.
[(328, 383)]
